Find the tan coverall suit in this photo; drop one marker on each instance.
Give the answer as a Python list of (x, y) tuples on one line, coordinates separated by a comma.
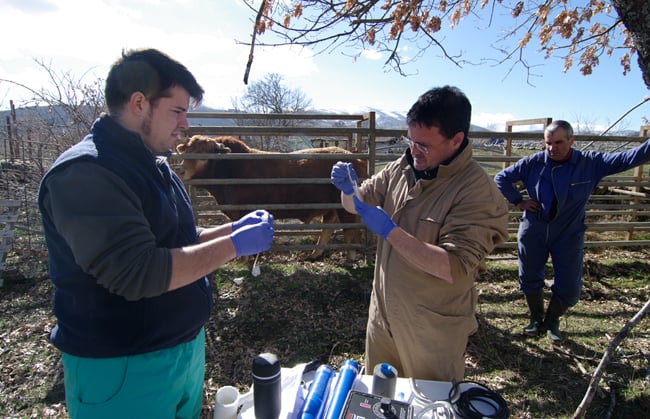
[(417, 322)]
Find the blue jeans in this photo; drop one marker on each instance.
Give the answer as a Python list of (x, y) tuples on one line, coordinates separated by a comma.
[(162, 384)]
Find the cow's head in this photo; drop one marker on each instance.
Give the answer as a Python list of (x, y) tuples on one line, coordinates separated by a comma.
[(198, 144)]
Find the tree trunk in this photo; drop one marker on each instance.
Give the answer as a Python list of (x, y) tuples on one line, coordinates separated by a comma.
[(636, 18)]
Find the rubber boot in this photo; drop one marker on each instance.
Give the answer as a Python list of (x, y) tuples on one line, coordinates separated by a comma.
[(536, 308), (552, 319)]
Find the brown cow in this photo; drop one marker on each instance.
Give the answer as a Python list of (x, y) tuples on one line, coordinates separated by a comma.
[(264, 194)]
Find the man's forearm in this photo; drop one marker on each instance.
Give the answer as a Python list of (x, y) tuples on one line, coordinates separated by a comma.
[(211, 233), (348, 203), (426, 256), (190, 263)]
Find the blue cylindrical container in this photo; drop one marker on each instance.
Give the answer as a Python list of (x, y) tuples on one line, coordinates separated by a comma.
[(314, 405), (347, 375)]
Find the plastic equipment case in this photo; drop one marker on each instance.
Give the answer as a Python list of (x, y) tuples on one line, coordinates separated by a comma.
[(370, 406)]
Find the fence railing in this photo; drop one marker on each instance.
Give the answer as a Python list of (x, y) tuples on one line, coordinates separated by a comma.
[(616, 215)]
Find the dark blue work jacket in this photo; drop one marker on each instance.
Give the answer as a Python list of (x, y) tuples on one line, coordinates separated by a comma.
[(573, 182)]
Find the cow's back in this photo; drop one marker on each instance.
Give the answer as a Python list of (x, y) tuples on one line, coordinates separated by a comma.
[(291, 190)]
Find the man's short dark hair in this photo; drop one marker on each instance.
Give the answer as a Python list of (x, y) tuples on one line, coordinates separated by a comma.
[(150, 72), (446, 108)]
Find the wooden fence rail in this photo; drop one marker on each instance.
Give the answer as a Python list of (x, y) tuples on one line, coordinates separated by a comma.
[(618, 215)]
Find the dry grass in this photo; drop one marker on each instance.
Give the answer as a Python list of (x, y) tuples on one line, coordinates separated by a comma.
[(304, 311)]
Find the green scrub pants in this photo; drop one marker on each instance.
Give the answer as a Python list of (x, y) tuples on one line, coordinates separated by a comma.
[(162, 384)]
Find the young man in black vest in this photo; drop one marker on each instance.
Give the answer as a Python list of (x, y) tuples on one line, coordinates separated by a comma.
[(128, 263)]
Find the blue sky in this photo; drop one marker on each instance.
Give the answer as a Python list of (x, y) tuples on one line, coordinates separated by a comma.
[(83, 37)]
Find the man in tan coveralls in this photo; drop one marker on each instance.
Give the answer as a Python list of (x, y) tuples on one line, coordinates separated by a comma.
[(439, 215)]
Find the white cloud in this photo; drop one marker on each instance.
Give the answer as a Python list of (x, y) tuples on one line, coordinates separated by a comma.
[(289, 61), (30, 6), (492, 121), (371, 54), (83, 37)]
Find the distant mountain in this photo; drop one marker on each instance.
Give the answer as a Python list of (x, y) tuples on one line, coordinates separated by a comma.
[(52, 115), (384, 119), (393, 119)]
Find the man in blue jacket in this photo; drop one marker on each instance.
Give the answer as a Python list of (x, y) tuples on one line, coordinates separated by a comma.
[(559, 182), (128, 263)]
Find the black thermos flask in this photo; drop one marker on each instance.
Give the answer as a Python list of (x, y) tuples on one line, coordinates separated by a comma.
[(267, 386)]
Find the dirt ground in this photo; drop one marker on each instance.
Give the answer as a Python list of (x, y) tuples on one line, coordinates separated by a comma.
[(304, 311)]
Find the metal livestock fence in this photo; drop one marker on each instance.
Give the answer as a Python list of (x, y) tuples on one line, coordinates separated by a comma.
[(617, 214)]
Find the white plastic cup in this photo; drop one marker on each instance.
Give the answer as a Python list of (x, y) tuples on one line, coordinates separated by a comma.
[(226, 403)]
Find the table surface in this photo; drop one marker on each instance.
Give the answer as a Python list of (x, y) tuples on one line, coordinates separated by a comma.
[(295, 386)]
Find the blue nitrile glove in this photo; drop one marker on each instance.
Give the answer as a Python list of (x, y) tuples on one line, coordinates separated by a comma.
[(341, 178), (254, 238), (254, 217), (374, 218)]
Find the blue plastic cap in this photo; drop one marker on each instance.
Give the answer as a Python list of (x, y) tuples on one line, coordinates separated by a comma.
[(386, 369), (350, 363)]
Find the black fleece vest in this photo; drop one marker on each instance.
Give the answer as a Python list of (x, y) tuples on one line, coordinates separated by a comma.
[(92, 322)]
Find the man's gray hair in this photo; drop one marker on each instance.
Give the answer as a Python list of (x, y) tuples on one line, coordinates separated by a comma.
[(553, 126)]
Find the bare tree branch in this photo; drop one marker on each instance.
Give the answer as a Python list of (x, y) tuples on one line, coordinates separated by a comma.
[(598, 373), (586, 31), (249, 63)]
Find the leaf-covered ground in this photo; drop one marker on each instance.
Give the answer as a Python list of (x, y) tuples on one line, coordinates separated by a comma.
[(304, 311)]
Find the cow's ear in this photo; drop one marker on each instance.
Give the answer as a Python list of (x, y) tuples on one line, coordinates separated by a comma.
[(180, 148)]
